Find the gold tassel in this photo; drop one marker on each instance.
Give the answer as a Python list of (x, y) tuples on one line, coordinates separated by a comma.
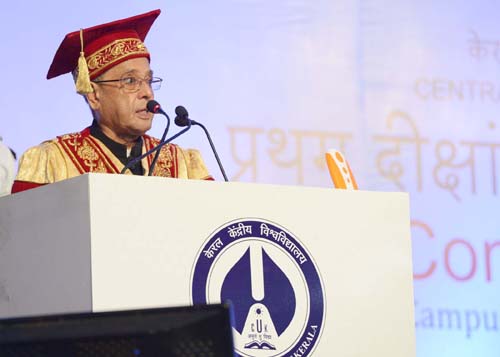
[(83, 80)]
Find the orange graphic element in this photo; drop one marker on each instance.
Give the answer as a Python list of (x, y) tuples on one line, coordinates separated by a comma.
[(340, 172), (433, 264)]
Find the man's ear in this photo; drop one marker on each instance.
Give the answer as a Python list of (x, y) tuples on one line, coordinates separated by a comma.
[(93, 98)]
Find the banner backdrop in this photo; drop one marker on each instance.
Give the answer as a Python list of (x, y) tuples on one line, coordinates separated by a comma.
[(409, 91)]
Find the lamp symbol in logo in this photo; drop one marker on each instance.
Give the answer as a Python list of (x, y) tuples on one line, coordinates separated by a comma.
[(272, 282)]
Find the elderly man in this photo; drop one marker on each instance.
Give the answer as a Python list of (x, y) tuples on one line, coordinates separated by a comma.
[(111, 68)]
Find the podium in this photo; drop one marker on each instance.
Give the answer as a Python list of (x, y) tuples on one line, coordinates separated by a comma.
[(308, 271)]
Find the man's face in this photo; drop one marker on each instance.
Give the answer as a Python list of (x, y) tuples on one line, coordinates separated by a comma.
[(122, 114)]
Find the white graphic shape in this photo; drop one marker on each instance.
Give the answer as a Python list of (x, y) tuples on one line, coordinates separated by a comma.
[(257, 273), (259, 329), (225, 261)]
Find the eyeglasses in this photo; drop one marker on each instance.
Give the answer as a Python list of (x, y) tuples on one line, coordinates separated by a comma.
[(133, 84)]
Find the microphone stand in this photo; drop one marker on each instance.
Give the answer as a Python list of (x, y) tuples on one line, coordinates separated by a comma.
[(191, 121), (153, 163), (158, 147)]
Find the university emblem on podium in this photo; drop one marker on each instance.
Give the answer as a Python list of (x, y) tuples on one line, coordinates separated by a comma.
[(272, 282)]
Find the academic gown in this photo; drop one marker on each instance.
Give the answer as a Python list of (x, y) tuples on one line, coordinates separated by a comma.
[(90, 150)]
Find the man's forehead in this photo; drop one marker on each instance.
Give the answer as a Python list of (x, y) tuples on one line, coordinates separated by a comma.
[(138, 66)]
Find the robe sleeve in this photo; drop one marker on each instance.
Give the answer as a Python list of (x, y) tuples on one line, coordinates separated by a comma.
[(40, 165), (193, 165)]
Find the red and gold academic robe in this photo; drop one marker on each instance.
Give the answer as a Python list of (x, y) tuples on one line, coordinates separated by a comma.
[(71, 155)]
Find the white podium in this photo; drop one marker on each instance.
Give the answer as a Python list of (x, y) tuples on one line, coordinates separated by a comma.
[(310, 271)]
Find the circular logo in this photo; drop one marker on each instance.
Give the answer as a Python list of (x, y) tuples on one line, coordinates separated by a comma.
[(273, 285)]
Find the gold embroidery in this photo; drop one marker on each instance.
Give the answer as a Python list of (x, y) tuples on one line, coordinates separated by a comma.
[(100, 168), (118, 49), (88, 155), (71, 139), (69, 136), (165, 163), (69, 142), (105, 159), (113, 52)]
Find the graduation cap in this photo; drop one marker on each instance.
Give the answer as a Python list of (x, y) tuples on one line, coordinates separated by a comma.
[(95, 50)]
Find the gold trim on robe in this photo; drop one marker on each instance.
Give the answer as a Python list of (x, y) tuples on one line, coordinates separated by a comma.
[(74, 154)]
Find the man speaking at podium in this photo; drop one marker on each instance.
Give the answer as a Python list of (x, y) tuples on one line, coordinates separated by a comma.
[(111, 68)]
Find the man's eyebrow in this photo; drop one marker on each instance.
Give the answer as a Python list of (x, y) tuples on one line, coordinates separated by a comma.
[(134, 71)]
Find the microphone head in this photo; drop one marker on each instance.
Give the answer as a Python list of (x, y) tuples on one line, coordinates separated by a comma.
[(182, 118), (180, 111), (181, 121), (153, 107)]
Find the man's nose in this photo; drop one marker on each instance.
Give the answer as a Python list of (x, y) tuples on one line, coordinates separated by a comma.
[(145, 91)]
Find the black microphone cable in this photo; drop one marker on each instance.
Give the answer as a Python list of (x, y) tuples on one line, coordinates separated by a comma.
[(154, 107), (182, 119)]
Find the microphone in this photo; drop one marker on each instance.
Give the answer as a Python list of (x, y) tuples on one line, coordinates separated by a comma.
[(182, 119), (156, 148), (154, 107)]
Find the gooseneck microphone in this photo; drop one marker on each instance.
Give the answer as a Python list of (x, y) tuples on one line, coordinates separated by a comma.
[(182, 116), (154, 107), (157, 147), (182, 119)]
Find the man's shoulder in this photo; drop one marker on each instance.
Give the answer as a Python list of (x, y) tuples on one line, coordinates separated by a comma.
[(72, 136), (155, 141), (52, 144), (43, 146)]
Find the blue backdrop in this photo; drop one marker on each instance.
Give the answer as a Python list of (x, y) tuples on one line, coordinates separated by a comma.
[(408, 90)]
